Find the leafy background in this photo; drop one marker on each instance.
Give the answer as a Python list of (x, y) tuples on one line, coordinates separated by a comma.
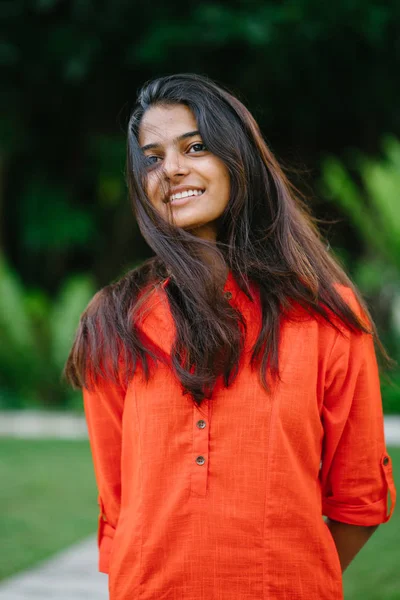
[(321, 79)]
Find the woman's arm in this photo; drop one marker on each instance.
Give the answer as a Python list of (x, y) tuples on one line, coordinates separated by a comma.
[(103, 409), (356, 469), (349, 539)]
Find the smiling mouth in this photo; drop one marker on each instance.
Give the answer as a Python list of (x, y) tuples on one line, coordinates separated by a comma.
[(184, 195)]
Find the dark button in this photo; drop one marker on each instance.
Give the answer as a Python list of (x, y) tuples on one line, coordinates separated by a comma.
[(228, 295), (385, 460), (200, 460), (201, 424)]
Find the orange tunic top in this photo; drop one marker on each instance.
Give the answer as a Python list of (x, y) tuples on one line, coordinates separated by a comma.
[(225, 501)]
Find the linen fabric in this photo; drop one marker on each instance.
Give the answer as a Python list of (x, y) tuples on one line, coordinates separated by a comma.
[(226, 501)]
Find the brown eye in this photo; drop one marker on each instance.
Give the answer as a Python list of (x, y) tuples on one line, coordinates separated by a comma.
[(198, 147)]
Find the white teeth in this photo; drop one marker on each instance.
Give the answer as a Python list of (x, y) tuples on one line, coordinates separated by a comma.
[(186, 194)]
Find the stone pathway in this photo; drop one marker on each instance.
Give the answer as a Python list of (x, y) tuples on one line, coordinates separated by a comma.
[(42, 424), (392, 430), (72, 574), (47, 424)]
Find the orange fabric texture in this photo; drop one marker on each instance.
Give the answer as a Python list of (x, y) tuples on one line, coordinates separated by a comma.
[(225, 501)]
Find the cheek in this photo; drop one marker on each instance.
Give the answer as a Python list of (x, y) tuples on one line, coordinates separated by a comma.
[(223, 183), (218, 175)]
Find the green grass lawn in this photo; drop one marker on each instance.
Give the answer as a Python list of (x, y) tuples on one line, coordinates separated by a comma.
[(48, 501), (374, 574)]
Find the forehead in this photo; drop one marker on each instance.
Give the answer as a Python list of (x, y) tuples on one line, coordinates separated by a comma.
[(162, 124)]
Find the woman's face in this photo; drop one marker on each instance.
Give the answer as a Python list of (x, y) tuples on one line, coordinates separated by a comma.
[(182, 173)]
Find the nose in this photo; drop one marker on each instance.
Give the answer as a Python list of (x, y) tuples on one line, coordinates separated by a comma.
[(175, 165)]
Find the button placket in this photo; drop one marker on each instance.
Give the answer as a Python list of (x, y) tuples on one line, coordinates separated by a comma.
[(201, 429)]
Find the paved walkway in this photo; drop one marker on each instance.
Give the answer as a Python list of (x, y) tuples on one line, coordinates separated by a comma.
[(392, 430), (69, 575), (72, 574), (46, 424), (42, 424)]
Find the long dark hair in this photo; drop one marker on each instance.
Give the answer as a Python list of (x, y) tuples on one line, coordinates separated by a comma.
[(266, 236)]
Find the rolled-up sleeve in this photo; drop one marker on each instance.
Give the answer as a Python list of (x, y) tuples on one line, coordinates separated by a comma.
[(356, 469), (103, 410)]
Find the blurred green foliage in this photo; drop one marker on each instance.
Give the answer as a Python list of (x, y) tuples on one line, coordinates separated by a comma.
[(378, 218), (35, 336), (319, 78), (367, 191)]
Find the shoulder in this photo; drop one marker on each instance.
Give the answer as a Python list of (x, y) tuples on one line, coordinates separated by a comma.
[(326, 302), (121, 294), (338, 316), (355, 302), (347, 294)]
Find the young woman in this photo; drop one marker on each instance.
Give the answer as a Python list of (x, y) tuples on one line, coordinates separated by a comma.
[(230, 382)]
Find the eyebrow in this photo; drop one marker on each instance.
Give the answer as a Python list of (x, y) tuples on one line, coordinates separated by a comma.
[(184, 136)]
